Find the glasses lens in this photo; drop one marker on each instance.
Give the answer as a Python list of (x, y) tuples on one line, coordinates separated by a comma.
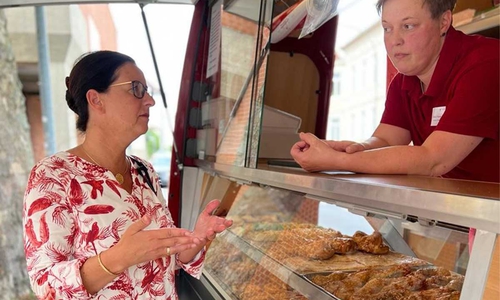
[(139, 89)]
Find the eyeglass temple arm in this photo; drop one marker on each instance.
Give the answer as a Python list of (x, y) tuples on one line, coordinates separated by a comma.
[(121, 83)]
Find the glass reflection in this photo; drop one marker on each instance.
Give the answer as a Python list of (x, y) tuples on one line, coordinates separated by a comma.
[(233, 103)]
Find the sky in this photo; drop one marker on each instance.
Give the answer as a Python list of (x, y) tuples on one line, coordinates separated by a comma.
[(169, 26), (355, 16)]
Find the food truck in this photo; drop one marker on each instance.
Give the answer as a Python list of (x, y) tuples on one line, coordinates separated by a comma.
[(256, 73)]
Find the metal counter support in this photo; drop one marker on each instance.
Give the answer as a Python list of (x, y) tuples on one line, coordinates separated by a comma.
[(479, 265), (395, 240)]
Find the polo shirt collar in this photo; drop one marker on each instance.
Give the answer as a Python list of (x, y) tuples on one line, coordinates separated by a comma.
[(447, 58)]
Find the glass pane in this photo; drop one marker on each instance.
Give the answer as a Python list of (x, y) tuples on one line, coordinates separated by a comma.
[(359, 81), (284, 245), (234, 100)]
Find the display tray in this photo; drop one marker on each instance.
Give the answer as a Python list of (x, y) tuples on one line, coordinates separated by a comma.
[(264, 266), (395, 282)]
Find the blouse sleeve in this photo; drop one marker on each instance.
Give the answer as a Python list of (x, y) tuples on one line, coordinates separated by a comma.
[(49, 231), (195, 266)]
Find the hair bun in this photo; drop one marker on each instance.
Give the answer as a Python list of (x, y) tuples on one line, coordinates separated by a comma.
[(67, 82)]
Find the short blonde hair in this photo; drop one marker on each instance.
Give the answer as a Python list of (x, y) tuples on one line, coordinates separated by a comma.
[(436, 7)]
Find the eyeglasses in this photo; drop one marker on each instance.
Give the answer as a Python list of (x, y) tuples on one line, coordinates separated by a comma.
[(138, 88)]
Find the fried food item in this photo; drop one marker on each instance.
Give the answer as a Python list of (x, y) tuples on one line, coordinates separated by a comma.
[(435, 294), (325, 249), (342, 245), (372, 287), (433, 271), (406, 283), (392, 272), (319, 249), (455, 284), (322, 280), (312, 243), (396, 282), (370, 243), (356, 280)]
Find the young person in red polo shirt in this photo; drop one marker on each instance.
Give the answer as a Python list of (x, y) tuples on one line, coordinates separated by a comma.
[(445, 100)]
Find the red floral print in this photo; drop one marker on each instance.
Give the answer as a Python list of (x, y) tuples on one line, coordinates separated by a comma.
[(74, 209)]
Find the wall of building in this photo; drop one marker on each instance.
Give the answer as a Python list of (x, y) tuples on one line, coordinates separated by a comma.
[(359, 91), (72, 30)]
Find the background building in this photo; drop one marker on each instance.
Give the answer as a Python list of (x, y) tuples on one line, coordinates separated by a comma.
[(359, 80), (72, 30), (359, 86)]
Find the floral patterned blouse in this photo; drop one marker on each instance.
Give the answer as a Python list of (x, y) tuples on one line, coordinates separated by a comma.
[(74, 209)]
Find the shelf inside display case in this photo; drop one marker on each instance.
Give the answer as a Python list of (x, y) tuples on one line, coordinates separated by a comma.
[(281, 247), (259, 276), (275, 269), (486, 23)]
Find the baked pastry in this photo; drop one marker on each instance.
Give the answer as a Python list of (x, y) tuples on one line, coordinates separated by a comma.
[(370, 243), (405, 281)]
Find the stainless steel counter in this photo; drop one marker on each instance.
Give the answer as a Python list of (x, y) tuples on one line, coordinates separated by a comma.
[(459, 202), (430, 201)]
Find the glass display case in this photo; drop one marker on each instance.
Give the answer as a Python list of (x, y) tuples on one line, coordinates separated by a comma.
[(298, 235), (252, 103), (230, 95)]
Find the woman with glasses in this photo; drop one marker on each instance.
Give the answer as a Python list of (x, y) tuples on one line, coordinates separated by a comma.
[(95, 222)]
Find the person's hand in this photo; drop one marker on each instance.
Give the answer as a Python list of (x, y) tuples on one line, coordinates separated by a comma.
[(138, 245), (346, 146), (208, 225), (311, 153)]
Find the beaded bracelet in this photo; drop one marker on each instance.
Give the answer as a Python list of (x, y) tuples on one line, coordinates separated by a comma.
[(103, 267)]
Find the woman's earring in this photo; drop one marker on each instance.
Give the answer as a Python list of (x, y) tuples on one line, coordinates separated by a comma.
[(443, 34)]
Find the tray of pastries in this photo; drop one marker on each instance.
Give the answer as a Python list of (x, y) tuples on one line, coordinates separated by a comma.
[(344, 267), (397, 282)]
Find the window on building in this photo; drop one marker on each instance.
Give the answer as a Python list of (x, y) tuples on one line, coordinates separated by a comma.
[(333, 132), (336, 83)]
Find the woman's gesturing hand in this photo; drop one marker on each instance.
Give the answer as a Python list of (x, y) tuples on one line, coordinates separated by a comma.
[(208, 225), (138, 245)]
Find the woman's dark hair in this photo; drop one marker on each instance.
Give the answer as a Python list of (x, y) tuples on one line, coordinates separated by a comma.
[(436, 7), (93, 70)]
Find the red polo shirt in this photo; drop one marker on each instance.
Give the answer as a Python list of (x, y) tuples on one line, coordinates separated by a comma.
[(465, 85)]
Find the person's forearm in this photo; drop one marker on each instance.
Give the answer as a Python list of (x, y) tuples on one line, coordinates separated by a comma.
[(188, 255), (374, 143), (391, 160), (94, 277)]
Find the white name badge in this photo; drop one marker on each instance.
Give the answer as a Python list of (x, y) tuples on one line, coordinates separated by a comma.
[(437, 113)]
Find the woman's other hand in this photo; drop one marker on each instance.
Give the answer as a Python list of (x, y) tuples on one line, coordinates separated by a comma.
[(208, 225), (138, 245)]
